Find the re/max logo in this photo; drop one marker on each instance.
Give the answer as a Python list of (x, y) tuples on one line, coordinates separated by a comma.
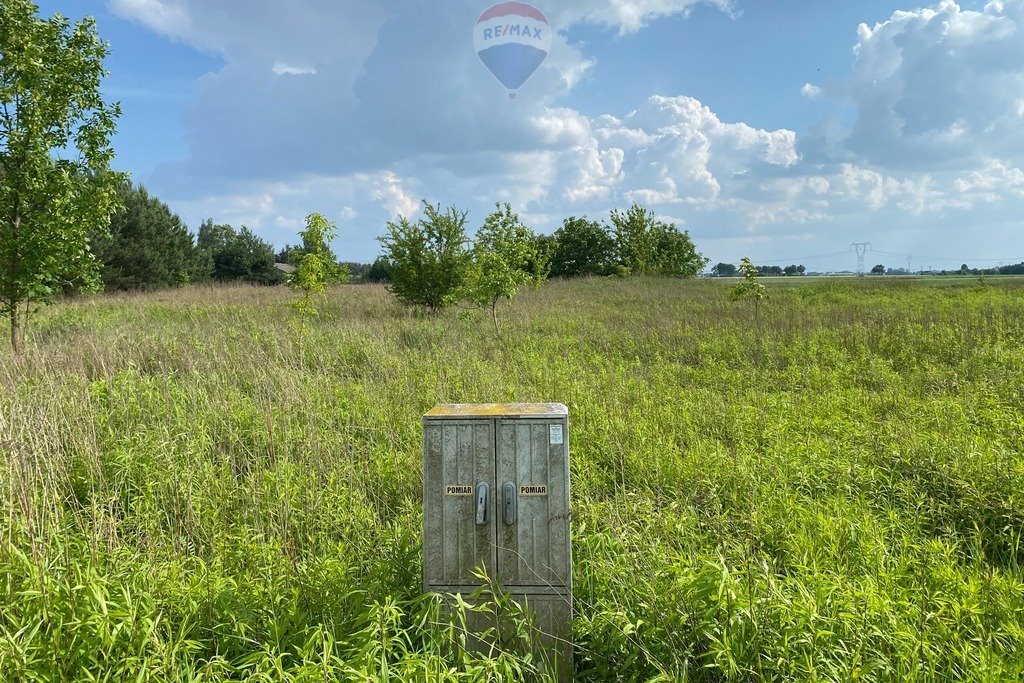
[(512, 30)]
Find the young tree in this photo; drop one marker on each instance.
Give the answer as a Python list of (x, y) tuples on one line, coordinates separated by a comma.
[(317, 266), (147, 246), (50, 108), (647, 246), (582, 247), (335, 272), (504, 259), (427, 259), (749, 289)]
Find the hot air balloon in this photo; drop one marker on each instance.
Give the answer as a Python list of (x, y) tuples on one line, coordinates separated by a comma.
[(512, 39)]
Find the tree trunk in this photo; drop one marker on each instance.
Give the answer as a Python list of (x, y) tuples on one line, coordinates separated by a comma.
[(15, 331), (15, 321)]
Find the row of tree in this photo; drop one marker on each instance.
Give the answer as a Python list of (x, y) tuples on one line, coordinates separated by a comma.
[(432, 263), (148, 247), (731, 270)]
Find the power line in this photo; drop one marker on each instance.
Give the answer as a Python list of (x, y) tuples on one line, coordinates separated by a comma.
[(798, 259)]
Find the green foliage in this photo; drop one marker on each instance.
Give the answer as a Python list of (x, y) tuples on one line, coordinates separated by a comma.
[(503, 260), (380, 271), (582, 247), (334, 272), (147, 246), (749, 289), (56, 188), (428, 260), (190, 494), (238, 255), (648, 246), (317, 267)]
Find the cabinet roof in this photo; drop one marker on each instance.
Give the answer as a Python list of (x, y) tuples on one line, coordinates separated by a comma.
[(497, 410)]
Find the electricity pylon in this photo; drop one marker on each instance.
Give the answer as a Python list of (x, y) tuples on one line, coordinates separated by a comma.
[(862, 249)]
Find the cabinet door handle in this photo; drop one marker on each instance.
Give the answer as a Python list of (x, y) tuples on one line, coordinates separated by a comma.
[(510, 503), (481, 503)]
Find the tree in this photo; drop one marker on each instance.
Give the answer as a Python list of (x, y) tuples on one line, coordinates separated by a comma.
[(380, 271), (647, 246), (878, 270), (147, 246), (503, 260), (238, 255), (582, 247), (428, 259), (749, 289), (50, 106), (724, 270), (317, 266), (675, 253)]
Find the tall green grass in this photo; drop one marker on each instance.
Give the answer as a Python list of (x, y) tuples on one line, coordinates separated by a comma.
[(193, 489)]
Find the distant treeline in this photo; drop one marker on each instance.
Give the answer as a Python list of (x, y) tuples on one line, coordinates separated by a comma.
[(149, 247), (732, 270)]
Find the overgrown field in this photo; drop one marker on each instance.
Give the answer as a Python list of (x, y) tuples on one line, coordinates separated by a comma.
[(193, 487)]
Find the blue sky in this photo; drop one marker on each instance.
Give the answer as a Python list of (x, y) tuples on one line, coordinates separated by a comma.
[(781, 130)]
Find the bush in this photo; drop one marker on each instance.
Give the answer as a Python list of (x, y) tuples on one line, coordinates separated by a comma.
[(582, 247), (647, 246), (428, 259)]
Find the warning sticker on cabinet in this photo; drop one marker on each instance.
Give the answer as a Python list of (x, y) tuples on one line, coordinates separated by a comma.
[(458, 490), (555, 436)]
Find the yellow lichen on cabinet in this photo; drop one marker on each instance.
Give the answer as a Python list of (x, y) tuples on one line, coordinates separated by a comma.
[(498, 410)]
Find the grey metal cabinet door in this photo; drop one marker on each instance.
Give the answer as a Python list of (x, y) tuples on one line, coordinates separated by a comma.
[(535, 549), (458, 455)]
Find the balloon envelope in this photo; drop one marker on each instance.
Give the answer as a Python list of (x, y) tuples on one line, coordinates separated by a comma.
[(512, 39)]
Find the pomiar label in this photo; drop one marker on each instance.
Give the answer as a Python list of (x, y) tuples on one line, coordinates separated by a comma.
[(458, 490), (533, 490)]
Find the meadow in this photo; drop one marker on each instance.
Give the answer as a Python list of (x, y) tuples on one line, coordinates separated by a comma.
[(196, 486)]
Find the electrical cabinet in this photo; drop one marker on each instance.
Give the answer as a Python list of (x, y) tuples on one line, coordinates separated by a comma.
[(496, 497)]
